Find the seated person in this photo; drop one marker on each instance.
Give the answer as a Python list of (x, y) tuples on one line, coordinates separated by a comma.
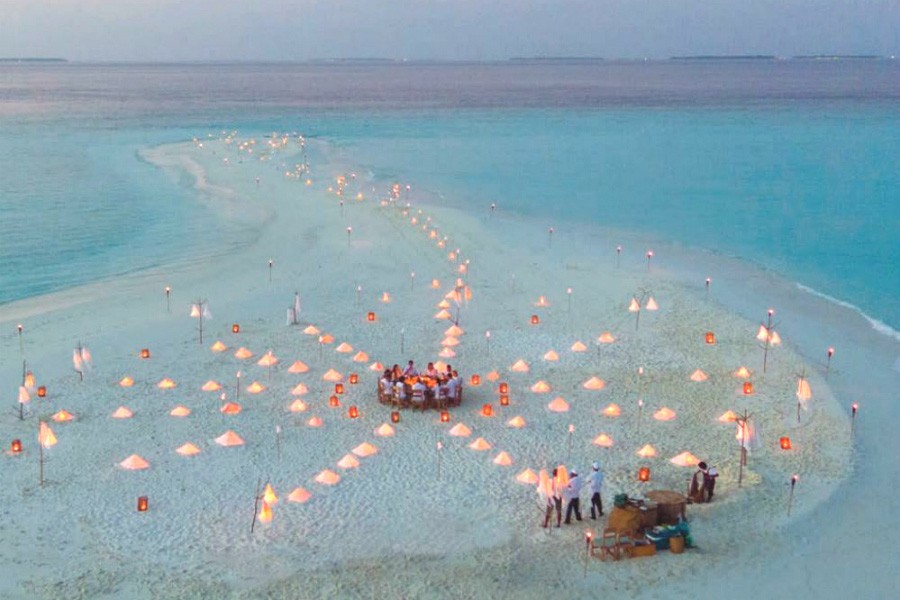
[(451, 385), (396, 373), (419, 390), (410, 370), (448, 374), (386, 381), (432, 372), (400, 389)]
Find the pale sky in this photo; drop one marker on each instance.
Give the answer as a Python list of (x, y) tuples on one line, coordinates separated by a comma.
[(185, 30)]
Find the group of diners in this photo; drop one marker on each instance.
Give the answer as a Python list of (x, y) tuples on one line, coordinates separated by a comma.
[(408, 388)]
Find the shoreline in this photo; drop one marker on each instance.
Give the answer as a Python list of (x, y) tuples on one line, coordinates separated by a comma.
[(237, 296)]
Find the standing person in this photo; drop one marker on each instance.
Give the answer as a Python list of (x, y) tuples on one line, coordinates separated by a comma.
[(573, 495), (554, 500), (709, 481), (596, 482), (698, 492)]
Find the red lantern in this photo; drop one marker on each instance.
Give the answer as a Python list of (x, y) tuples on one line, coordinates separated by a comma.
[(339, 388), (333, 402), (487, 410), (16, 446), (354, 378), (445, 417), (785, 443), (644, 474), (710, 337), (504, 400), (748, 388), (395, 417), (370, 317), (143, 503), (42, 391), (535, 319), (353, 412), (475, 380), (145, 353), (504, 388), (235, 328)]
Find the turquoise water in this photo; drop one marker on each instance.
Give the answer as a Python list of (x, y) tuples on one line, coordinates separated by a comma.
[(790, 165)]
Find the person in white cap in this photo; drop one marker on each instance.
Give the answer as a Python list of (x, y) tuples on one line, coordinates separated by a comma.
[(573, 495), (596, 482)]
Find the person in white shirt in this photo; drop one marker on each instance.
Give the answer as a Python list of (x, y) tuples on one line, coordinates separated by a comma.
[(573, 495), (554, 502), (401, 390), (596, 482), (410, 370), (419, 390)]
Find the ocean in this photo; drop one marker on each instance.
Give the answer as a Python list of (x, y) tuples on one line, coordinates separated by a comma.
[(792, 165)]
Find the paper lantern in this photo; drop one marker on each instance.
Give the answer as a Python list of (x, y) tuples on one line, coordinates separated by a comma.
[(487, 410), (633, 306), (134, 463), (503, 459), (699, 376), (299, 495), (644, 474), (218, 347), (527, 477), (16, 446), (460, 430), (143, 503), (180, 411), (578, 347), (475, 380), (516, 422), (365, 450), (231, 408), (385, 297), (122, 413), (126, 381), (243, 353), (145, 353), (354, 378), (785, 443), (42, 392), (480, 444), (558, 404), (651, 304), (435, 284), (333, 402), (211, 386), (612, 410), (594, 383), (339, 388), (542, 302), (520, 366), (353, 412), (235, 328), (535, 319), (384, 430), (647, 451), (728, 417), (603, 440), (504, 400), (747, 388), (395, 417), (265, 513), (541, 387), (348, 462), (269, 495), (685, 459), (370, 317), (804, 392), (664, 414), (551, 356), (314, 422), (229, 438), (29, 380), (710, 338), (492, 376), (445, 417), (166, 384), (187, 449)]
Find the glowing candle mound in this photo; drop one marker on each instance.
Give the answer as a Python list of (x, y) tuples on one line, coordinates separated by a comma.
[(699, 376), (243, 353), (134, 463), (297, 405), (541, 387), (188, 449), (314, 422), (594, 383), (527, 477), (685, 459), (551, 356), (606, 338), (365, 449), (613, 410), (742, 373), (520, 366), (122, 412), (63, 416), (454, 330), (376, 366), (443, 315), (360, 357), (558, 404), (166, 384), (332, 376), (450, 341), (503, 459), (647, 451), (211, 386), (578, 347), (348, 462), (298, 366), (126, 382), (328, 477), (229, 438), (311, 330), (492, 376), (384, 430), (326, 338), (480, 444), (231, 408), (344, 348), (664, 414), (256, 388), (180, 411), (728, 417), (218, 347), (268, 360), (299, 495), (603, 440), (516, 422), (460, 430), (447, 353)]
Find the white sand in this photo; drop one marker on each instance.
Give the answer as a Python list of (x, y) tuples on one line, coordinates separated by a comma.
[(391, 527)]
